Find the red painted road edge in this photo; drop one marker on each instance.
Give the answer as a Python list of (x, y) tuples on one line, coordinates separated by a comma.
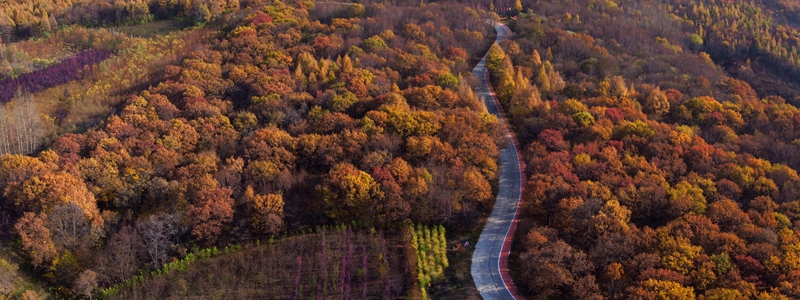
[(506, 250)]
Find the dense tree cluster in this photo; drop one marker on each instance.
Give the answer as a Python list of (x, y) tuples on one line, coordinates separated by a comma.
[(757, 30), (659, 137), (281, 121), (21, 19), (751, 40), (431, 255), (652, 174)]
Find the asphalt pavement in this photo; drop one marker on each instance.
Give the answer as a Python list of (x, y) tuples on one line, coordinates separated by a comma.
[(489, 261)]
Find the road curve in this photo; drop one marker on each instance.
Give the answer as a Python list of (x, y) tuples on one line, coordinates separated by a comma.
[(490, 259)]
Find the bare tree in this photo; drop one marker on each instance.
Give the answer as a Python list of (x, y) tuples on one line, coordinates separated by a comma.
[(31, 122), (5, 130), (85, 283), (21, 126), (120, 260), (158, 232), (69, 226)]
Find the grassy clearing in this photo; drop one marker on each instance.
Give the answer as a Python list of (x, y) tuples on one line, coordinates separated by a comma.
[(44, 48), (150, 29)]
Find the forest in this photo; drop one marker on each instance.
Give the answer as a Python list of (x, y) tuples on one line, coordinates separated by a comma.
[(660, 147), (280, 118), (249, 148)]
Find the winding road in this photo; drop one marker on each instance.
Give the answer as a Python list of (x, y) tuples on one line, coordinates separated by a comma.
[(490, 259)]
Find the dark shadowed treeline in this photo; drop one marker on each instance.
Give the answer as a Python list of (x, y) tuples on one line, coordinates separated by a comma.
[(67, 70)]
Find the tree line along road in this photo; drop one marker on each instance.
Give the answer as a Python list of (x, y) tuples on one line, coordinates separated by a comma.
[(490, 259)]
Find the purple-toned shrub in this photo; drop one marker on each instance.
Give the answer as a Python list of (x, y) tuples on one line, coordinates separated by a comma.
[(38, 80)]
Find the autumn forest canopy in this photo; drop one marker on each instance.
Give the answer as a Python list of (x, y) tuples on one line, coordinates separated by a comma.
[(157, 149)]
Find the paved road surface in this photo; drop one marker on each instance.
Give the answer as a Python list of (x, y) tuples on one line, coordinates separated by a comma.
[(489, 261)]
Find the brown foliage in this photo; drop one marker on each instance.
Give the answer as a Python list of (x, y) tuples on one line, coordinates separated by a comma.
[(36, 240)]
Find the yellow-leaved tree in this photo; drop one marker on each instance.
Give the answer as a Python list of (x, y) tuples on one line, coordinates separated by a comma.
[(494, 58), (266, 211), (349, 194)]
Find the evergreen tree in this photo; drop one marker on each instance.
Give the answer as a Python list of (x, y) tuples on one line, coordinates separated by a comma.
[(5, 68), (656, 103), (536, 59), (520, 81), (505, 87), (542, 79), (604, 88), (523, 102), (556, 82), (494, 58)]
